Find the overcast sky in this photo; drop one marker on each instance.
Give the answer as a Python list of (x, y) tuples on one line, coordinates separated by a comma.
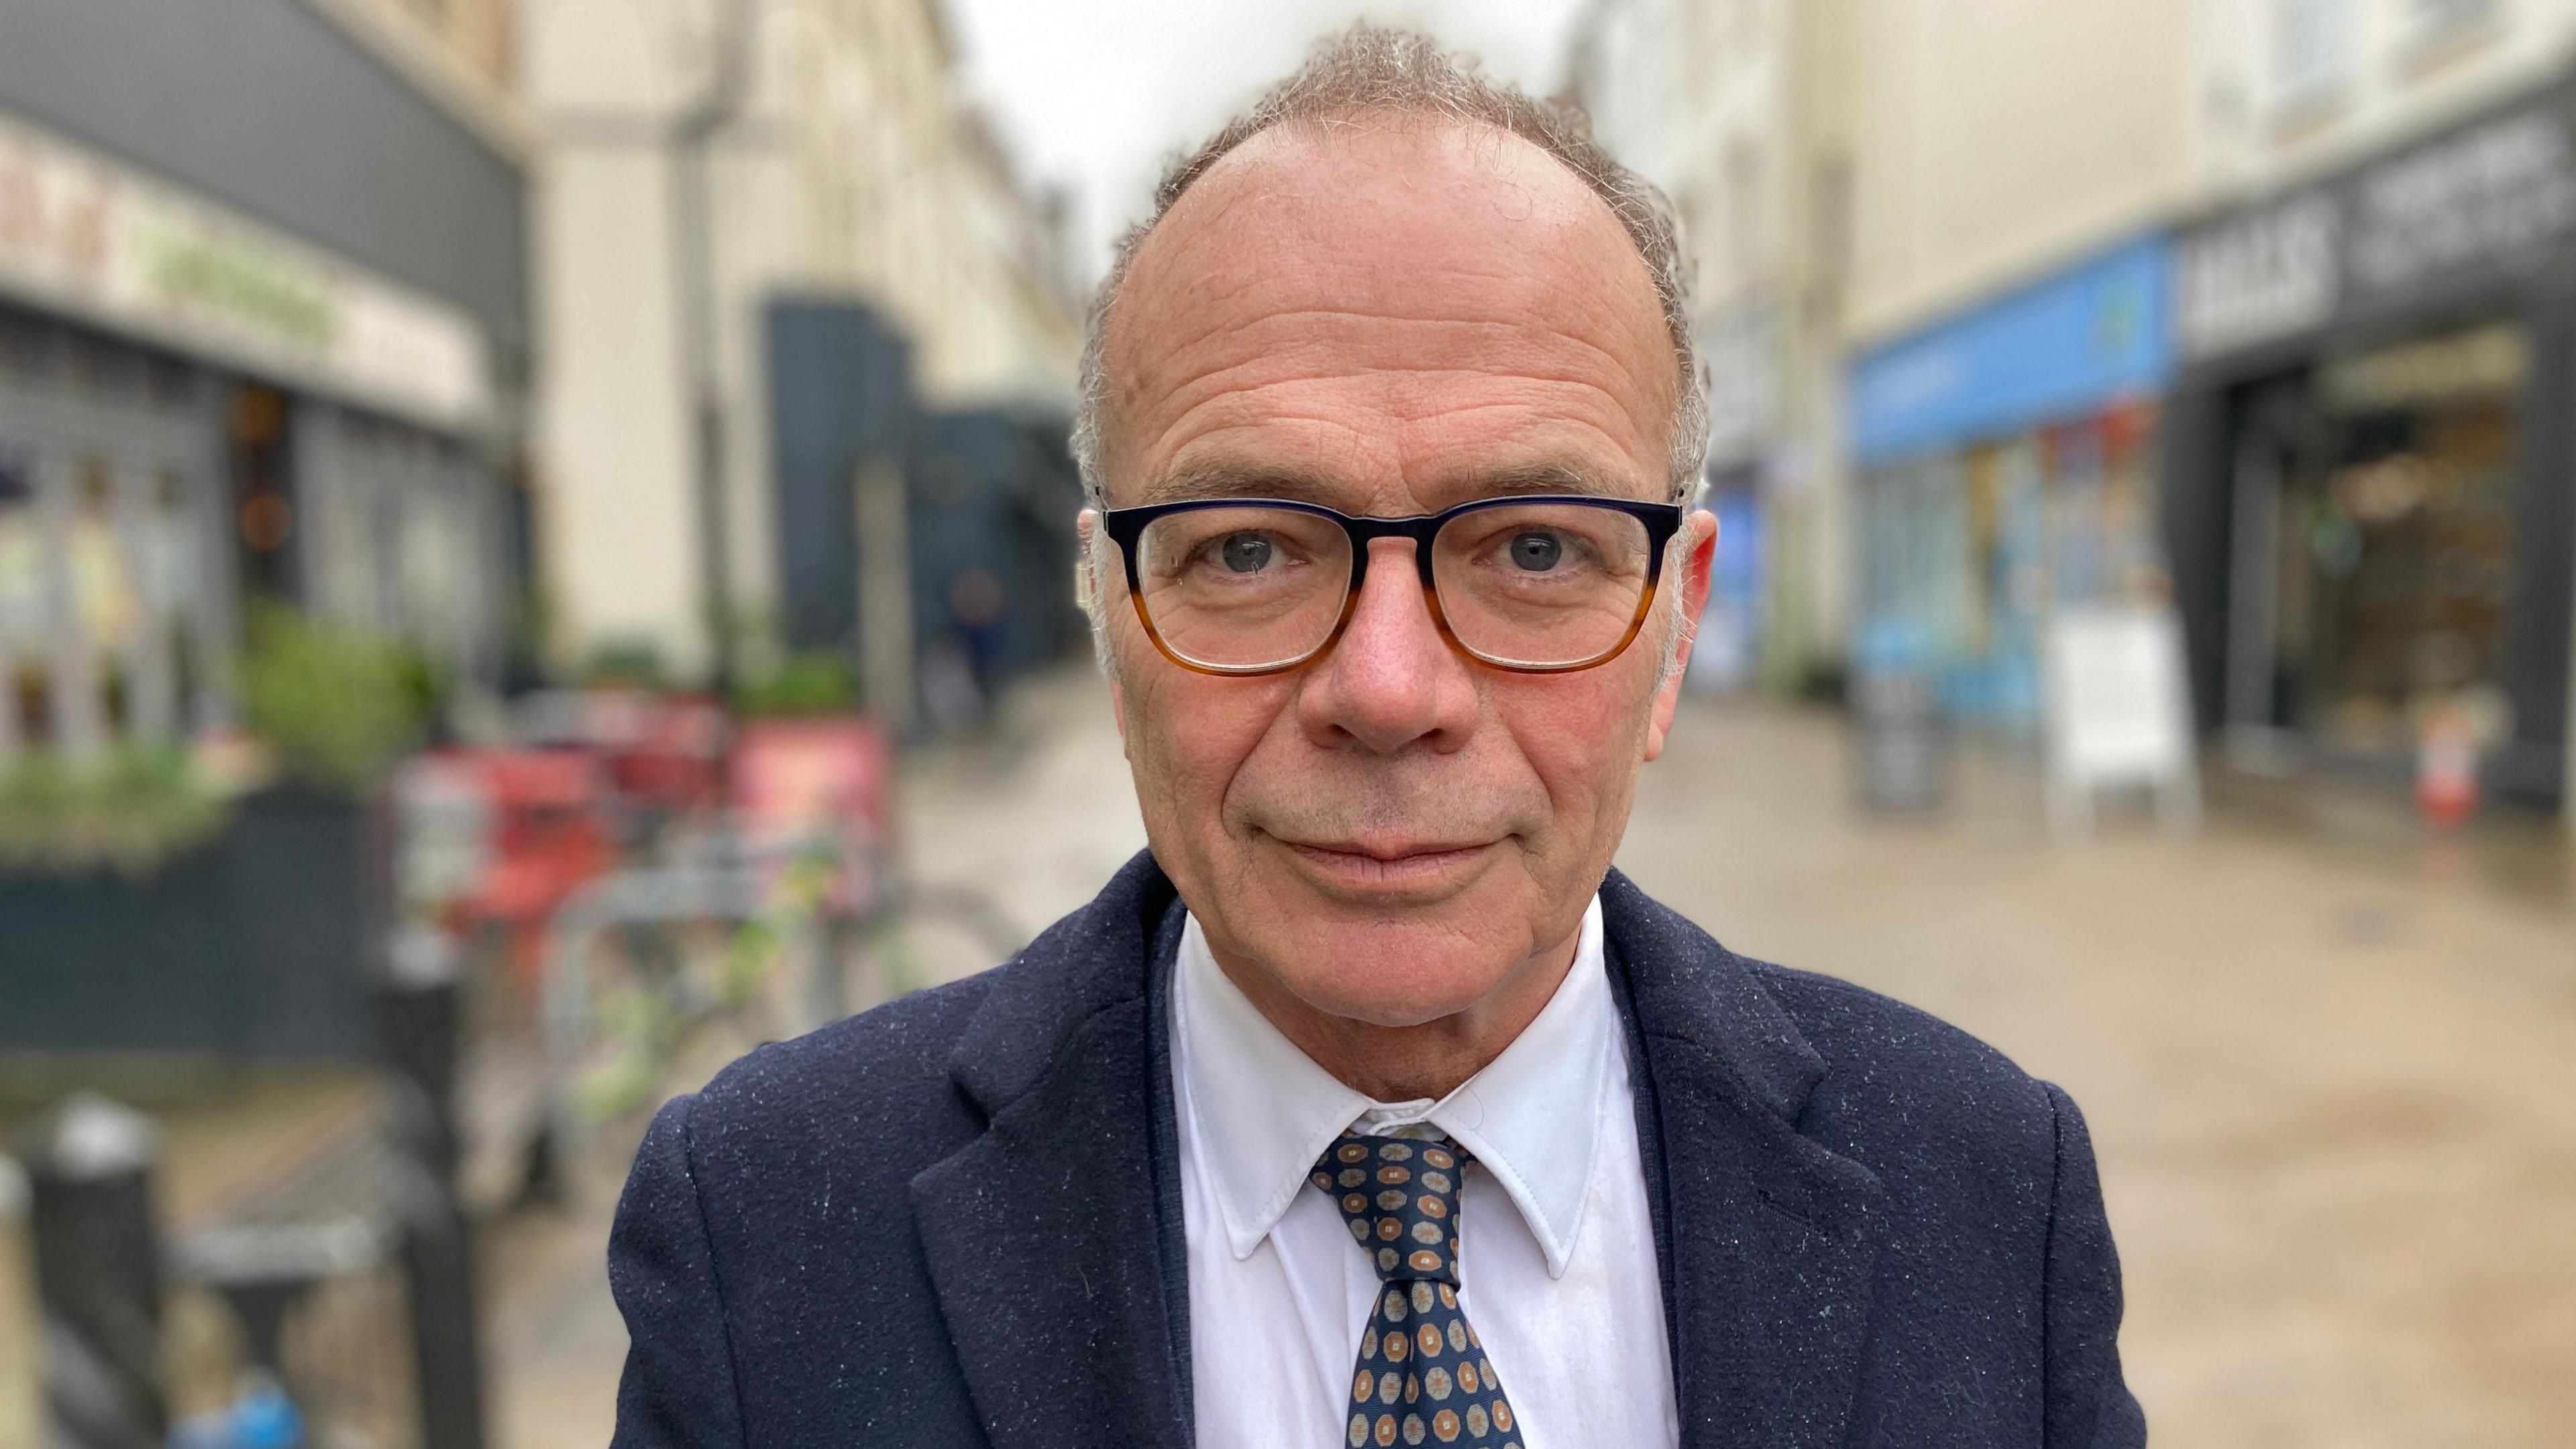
[(1095, 93)]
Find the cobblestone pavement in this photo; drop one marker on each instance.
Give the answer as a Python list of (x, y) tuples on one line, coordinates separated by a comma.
[(2329, 1076), (2328, 1066)]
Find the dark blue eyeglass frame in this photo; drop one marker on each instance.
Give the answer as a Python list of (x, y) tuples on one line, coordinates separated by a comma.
[(1662, 521)]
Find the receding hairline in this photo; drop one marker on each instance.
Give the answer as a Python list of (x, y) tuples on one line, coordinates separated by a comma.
[(1375, 71)]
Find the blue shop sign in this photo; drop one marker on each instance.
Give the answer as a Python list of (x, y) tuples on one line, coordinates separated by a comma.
[(2060, 348)]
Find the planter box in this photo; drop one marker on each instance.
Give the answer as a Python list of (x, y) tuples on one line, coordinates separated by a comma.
[(260, 944)]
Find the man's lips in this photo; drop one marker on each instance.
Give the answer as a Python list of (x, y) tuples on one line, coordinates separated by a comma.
[(1388, 863)]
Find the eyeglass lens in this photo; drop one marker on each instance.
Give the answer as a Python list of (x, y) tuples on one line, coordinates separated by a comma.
[(1531, 585)]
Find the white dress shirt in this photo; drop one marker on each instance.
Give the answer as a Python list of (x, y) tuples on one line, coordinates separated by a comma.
[(1556, 1254)]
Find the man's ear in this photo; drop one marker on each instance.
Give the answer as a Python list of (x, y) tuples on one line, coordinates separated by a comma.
[(1698, 558)]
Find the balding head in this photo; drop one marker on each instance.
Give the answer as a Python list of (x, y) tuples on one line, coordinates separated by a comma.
[(1376, 81), (1366, 302)]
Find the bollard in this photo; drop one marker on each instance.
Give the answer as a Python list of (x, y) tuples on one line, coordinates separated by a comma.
[(98, 1264), (438, 1266), (420, 1016)]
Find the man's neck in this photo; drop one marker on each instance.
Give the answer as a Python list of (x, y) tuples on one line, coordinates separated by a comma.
[(1408, 1063)]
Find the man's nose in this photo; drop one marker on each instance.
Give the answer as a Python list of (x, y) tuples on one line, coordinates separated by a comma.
[(1391, 680)]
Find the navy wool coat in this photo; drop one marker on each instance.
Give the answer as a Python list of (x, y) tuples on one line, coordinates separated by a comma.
[(955, 1220)]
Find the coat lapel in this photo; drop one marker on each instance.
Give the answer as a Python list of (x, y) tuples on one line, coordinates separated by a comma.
[(1045, 1235), (1773, 1238)]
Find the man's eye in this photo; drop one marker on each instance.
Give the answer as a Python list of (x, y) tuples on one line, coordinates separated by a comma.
[(1536, 552), (1245, 553)]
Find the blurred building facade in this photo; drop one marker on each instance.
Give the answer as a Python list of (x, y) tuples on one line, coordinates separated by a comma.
[(2025, 308), (263, 312), (2017, 164), (1740, 110), (2370, 475), (839, 163)]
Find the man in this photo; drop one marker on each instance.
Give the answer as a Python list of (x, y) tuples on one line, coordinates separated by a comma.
[(1371, 1106)]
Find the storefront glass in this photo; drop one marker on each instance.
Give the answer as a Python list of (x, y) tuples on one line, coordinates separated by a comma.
[(108, 512), (2394, 548), (2005, 475), (1966, 554)]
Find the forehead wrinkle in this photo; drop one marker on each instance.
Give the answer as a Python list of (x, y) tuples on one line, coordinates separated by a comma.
[(1515, 325), (1437, 308), (1528, 398), (1351, 421), (1422, 473), (1188, 396)]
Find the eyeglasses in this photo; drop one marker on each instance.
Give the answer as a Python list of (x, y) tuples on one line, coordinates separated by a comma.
[(1539, 584)]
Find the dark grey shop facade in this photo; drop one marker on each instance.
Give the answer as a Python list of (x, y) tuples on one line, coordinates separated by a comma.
[(263, 313), (2369, 456)]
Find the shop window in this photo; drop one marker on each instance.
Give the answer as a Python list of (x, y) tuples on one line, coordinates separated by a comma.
[(2395, 543), (2103, 547), (107, 605), (23, 637), (264, 493)]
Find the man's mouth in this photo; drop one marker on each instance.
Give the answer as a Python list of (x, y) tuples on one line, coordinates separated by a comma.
[(1390, 864)]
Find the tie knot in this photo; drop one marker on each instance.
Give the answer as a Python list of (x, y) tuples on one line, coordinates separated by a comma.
[(1399, 1196)]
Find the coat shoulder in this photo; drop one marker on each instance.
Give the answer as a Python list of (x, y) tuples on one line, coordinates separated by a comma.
[(884, 1094), (1904, 1089), (878, 1081), (1839, 1060)]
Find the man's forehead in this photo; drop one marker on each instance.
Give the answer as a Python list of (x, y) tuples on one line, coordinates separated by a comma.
[(1387, 248), (1393, 211)]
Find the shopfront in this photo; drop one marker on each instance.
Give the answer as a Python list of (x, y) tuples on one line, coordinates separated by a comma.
[(198, 409), (2369, 456), (2006, 469)]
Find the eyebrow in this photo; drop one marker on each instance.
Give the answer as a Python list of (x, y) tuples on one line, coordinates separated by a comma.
[(1224, 481), (1228, 481), (1531, 478)]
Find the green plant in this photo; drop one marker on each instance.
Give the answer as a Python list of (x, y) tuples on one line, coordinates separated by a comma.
[(817, 681), (341, 707), (636, 663), (129, 812)]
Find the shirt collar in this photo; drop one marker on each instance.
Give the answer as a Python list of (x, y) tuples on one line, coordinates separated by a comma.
[(1261, 1111)]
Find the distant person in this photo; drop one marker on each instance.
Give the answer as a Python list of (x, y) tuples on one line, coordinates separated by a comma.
[(1371, 1107), (981, 608)]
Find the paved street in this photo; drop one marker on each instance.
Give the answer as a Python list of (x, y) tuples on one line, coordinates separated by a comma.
[(2329, 1082)]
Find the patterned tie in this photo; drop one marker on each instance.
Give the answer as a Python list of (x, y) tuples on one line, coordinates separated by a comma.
[(1422, 1371)]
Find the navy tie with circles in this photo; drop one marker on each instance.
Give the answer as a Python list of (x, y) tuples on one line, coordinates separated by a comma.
[(1422, 1372)]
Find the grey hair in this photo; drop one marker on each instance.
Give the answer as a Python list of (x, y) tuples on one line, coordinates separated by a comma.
[(1376, 68)]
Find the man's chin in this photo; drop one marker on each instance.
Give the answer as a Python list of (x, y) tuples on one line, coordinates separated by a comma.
[(1394, 971), (1427, 993)]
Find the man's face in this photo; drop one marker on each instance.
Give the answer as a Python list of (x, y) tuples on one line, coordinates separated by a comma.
[(1390, 318)]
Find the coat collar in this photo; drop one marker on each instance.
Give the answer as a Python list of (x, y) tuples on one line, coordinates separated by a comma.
[(1045, 1236), (1769, 1238), (1050, 1237)]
